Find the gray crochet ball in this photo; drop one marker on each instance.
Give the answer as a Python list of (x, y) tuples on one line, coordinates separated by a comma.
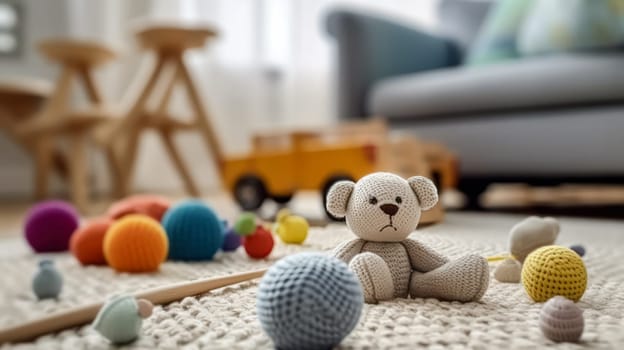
[(561, 320), (309, 301)]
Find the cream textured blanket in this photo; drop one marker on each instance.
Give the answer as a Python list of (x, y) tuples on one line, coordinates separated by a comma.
[(226, 318)]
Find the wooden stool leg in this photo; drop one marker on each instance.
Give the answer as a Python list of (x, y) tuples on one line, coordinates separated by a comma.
[(201, 116), (170, 76), (91, 87), (128, 158), (59, 163), (43, 164), (78, 171), (130, 128), (43, 145), (115, 173), (179, 163)]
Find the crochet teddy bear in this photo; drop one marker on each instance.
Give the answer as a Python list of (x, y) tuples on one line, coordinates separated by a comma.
[(383, 209)]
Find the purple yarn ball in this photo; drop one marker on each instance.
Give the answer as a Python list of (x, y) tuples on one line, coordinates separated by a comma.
[(231, 241), (49, 226)]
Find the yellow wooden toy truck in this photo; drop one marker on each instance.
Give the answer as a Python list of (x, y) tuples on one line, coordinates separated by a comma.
[(282, 164)]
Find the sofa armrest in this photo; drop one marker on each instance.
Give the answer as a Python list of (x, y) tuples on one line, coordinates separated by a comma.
[(372, 48)]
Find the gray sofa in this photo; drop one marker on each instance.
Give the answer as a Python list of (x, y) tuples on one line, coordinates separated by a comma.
[(542, 120)]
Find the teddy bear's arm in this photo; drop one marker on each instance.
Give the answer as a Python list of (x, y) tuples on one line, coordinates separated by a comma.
[(345, 251), (423, 258)]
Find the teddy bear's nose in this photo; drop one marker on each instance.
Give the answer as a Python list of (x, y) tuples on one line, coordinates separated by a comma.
[(389, 209)]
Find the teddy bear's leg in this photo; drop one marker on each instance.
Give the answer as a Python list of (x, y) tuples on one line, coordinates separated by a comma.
[(465, 279), (375, 277)]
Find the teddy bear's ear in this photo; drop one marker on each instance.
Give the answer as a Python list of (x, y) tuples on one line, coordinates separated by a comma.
[(338, 198), (425, 191)]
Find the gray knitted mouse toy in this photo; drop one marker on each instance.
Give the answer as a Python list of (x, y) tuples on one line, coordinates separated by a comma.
[(383, 209)]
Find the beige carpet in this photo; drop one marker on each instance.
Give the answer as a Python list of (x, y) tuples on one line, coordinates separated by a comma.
[(224, 319)]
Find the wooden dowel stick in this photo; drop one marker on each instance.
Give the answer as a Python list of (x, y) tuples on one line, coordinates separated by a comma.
[(85, 314)]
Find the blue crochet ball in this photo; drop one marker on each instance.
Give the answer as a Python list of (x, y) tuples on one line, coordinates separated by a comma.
[(309, 301), (194, 230)]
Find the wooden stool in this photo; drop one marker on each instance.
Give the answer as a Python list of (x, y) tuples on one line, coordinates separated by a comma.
[(59, 119), (169, 43), (20, 100)]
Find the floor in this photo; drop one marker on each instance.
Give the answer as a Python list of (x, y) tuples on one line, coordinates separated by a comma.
[(226, 318)]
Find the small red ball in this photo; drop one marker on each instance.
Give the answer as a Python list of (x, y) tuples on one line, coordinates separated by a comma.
[(259, 244)]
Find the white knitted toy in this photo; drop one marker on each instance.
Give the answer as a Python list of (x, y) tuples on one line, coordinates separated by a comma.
[(382, 209), (525, 237)]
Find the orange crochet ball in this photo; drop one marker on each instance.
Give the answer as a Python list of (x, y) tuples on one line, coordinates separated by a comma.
[(86, 243), (136, 243), (147, 204)]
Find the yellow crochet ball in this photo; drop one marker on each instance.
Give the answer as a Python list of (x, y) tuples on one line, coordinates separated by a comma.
[(554, 270), (135, 243)]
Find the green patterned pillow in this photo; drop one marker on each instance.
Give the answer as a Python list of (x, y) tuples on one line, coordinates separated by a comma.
[(497, 38), (567, 25)]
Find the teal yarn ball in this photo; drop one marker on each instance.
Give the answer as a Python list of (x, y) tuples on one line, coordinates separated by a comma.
[(309, 301), (194, 230)]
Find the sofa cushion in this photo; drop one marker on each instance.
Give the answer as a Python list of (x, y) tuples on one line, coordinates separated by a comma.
[(496, 41), (462, 19), (572, 25), (531, 83)]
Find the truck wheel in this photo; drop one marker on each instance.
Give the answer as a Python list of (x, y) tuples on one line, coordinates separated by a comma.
[(282, 199), (250, 192), (328, 184)]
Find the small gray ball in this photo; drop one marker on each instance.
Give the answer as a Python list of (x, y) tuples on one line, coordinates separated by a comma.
[(48, 281), (309, 301), (561, 320)]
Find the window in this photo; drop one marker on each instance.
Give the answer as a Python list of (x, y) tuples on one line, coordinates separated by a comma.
[(10, 25)]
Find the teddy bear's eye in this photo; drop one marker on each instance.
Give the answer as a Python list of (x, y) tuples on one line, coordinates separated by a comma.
[(399, 200), (372, 200)]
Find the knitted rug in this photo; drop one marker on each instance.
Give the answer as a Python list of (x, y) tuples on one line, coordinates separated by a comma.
[(226, 318)]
